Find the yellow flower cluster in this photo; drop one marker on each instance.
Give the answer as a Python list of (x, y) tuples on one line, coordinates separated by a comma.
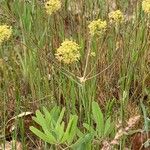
[(146, 6), (5, 33), (52, 6), (116, 16), (97, 27), (68, 52)]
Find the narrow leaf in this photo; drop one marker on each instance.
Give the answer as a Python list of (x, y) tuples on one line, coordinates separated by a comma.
[(71, 129), (98, 118)]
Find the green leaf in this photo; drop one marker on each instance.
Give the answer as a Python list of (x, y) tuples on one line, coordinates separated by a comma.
[(98, 118), (60, 131), (108, 127), (84, 139), (146, 126), (36, 120), (60, 117), (55, 113), (59, 128), (79, 133), (43, 122), (71, 129), (47, 138), (48, 116), (89, 128)]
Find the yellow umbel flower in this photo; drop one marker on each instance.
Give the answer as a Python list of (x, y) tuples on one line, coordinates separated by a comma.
[(116, 16), (146, 6), (52, 6), (68, 52), (5, 33), (97, 27)]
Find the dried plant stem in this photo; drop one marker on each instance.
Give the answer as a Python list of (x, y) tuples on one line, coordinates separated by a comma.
[(83, 78)]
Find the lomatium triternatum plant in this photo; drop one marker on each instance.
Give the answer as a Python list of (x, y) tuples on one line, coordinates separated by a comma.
[(70, 61), (97, 27), (146, 6), (52, 6), (5, 33), (116, 17), (68, 52)]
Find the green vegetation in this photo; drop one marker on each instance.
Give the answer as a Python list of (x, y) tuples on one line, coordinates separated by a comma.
[(74, 74)]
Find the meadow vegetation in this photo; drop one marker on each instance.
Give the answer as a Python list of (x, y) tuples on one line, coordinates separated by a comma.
[(75, 74)]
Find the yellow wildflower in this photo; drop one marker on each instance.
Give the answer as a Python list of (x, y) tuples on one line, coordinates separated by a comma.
[(146, 6), (93, 54), (5, 33), (97, 27), (52, 6), (116, 16), (68, 52)]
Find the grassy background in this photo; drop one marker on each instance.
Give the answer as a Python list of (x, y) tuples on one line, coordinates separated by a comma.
[(118, 75)]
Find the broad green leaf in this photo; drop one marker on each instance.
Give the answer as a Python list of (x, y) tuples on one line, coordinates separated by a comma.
[(60, 131), (36, 120), (43, 122), (84, 139), (79, 133), (71, 129), (55, 113), (47, 138), (47, 115), (108, 127), (98, 118), (60, 117), (88, 127)]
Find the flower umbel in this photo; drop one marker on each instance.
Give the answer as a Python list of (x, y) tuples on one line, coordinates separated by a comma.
[(116, 16), (52, 6), (97, 27), (146, 6), (5, 33), (68, 52)]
